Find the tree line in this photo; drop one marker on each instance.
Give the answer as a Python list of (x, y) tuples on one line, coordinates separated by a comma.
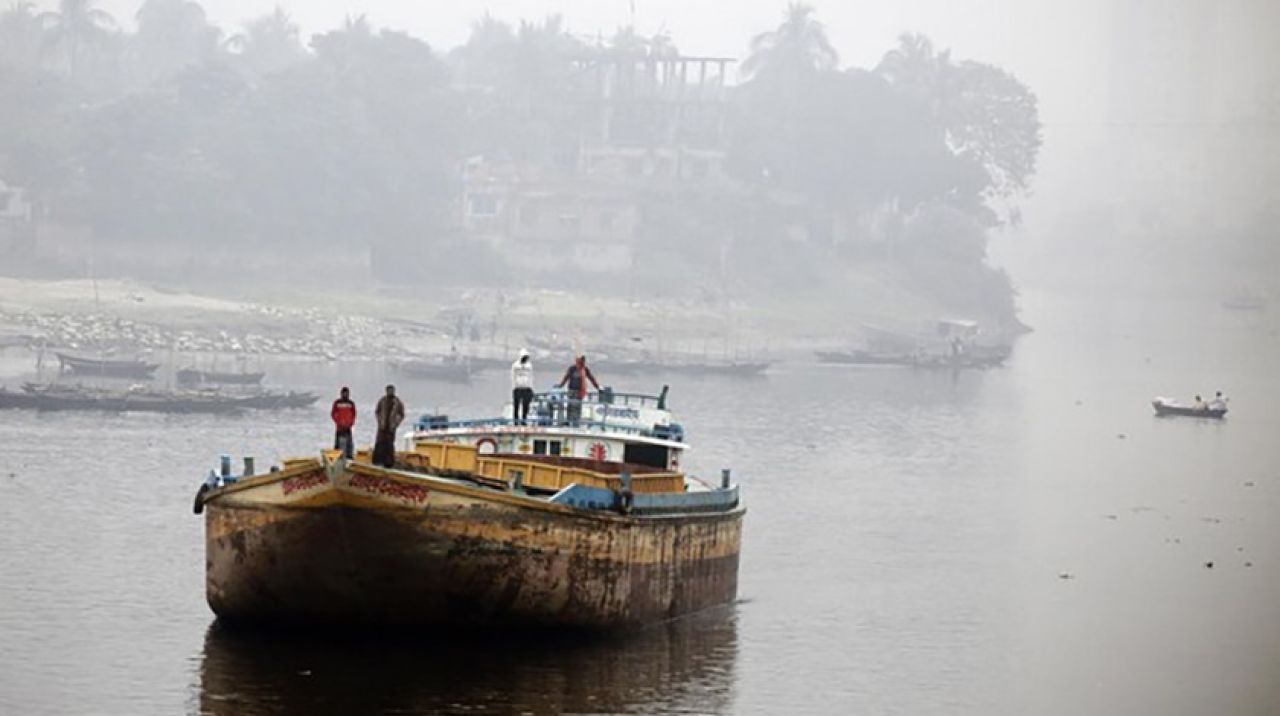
[(182, 131)]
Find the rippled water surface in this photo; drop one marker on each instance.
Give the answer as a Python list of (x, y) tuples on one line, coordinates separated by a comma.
[(1024, 540)]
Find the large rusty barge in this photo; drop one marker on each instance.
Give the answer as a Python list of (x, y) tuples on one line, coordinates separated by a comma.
[(579, 516)]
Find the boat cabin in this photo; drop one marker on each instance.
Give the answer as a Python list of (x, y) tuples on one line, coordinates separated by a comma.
[(607, 432)]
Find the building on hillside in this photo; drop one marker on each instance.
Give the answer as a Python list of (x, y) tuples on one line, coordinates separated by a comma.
[(649, 128)]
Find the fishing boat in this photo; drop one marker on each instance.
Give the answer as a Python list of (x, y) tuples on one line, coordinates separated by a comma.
[(130, 368), (1165, 407), (580, 517), (196, 377)]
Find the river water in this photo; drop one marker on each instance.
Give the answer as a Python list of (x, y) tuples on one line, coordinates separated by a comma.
[(1028, 540)]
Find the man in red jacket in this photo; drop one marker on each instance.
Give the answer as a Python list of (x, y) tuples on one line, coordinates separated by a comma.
[(344, 417)]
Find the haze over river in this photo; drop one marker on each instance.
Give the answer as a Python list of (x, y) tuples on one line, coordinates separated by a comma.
[(1028, 540)]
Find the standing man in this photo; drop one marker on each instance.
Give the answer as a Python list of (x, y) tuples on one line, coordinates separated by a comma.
[(390, 413), (521, 388), (576, 378), (1218, 402), (343, 413)]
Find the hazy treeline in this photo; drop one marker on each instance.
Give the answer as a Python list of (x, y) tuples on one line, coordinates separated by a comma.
[(185, 132)]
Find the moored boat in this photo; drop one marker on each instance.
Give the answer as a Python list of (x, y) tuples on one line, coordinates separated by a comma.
[(35, 396), (583, 521), (1165, 407), (130, 368)]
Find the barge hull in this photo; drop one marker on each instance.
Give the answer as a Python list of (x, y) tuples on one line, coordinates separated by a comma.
[(460, 559)]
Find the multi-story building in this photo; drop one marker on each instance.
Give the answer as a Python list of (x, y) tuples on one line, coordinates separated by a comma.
[(649, 128)]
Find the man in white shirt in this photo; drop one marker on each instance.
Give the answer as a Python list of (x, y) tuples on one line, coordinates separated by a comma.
[(1218, 402), (521, 388)]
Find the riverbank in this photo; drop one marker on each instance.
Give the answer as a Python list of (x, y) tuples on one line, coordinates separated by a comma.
[(374, 322)]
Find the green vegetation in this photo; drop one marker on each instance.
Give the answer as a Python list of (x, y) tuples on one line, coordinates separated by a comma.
[(183, 134)]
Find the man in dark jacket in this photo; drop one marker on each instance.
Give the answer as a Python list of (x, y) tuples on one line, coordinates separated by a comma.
[(390, 413), (575, 378), (343, 413)]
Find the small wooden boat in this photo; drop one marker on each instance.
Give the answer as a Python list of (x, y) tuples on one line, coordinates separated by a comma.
[(586, 523), (56, 398), (195, 377), (132, 368), (1164, 407)]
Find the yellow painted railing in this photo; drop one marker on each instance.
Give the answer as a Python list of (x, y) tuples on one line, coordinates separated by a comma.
[(531, 473)]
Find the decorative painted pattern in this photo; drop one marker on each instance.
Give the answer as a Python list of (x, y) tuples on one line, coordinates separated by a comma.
[(303, 482), (389, 488)]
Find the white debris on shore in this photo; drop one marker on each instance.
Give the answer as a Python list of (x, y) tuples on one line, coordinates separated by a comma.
[(272, 331)]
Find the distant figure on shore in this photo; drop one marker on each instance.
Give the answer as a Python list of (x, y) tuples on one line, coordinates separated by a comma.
[(1219, 402), (521, 388), (343, 413), (575, 378), (1198, 404), (390, 413)]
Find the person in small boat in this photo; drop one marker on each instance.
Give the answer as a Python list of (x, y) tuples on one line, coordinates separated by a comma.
[(343, 413), (521, 388), (1219, 402), (390, 413), (575, 379), (1199, 404)]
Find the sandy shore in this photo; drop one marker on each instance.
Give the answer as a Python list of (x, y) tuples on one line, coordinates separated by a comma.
[(355, 323)]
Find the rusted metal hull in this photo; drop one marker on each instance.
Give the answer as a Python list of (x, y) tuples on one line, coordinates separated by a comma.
[(366, 546)]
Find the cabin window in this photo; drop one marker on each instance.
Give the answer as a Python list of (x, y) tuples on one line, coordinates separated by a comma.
[(546, 447), (651, 455)]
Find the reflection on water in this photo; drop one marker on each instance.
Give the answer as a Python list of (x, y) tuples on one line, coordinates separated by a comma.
[(679, 667)]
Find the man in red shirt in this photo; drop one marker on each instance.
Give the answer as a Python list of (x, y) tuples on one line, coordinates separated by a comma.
[(576, 378), (344, 417)]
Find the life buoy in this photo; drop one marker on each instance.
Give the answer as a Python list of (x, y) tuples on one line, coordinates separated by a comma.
[(484, 443)]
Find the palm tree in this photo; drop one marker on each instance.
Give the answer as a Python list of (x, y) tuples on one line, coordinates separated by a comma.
[(269, 43), (172, 34), (75, 24), (797, 47), (488, 56), (921, 72), (343, 46), (21, 35)]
